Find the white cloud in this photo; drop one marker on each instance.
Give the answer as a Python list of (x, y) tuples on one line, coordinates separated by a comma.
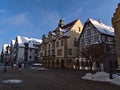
[(18, 20)]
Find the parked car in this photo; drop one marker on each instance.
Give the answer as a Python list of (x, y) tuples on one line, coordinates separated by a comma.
[(38, 66)]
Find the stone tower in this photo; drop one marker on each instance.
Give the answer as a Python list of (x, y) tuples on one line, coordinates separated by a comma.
[(61, 23)]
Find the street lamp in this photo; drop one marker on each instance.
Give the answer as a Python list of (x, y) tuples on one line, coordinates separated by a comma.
[(110, 62), (107, 50)]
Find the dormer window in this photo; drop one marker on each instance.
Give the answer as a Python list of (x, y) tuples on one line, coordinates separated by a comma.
[(62, 42), (57, 44), (44, 38), (58, 31), (50, 34)]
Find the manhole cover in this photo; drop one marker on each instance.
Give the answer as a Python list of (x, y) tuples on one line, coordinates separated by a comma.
[(12, 81)]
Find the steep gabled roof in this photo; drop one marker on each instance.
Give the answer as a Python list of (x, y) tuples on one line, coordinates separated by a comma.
[(4, 48), (101, 27), (31, 41), (69, 24), (65, 29)]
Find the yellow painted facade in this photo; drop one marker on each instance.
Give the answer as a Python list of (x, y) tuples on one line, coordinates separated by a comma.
[(116, 25), (59, 46)]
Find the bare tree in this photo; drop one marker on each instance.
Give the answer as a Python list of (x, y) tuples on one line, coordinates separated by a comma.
[(94, 53)]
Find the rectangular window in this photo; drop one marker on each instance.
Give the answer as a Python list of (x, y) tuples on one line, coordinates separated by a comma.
[(53, 52), (46, 46), (53, 45), (57, 44), (30, 57), (45, 53), (49, 46), (69, 51), (61, 52), (62, 43), (41, 54), (57, 52), (36, 51), (48, 52)]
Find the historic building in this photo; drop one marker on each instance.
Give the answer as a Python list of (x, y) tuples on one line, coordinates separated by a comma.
[(96, 41), (116, 25), (26, 49), (5, 54), (12, 52), (60, 48)]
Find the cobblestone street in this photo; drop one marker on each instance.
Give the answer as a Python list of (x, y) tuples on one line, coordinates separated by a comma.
[(51, 80)]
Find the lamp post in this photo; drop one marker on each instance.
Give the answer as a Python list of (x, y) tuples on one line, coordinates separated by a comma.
[(107, 50), (110, 62)]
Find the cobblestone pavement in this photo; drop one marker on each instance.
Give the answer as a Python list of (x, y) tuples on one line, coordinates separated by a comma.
[(53, 79)]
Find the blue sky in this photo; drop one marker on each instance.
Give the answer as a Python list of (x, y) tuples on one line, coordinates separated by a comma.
[(33, 18)]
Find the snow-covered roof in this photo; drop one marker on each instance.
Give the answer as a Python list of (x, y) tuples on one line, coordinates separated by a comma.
[(53, 33), (65, 29), (60, 32), (13, 43), (66, 34), (102, 27), (70, 25), (31, 41), (4, 49)]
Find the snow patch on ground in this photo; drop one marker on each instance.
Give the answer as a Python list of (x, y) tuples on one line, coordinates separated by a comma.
[(102, 76), (12, 81), (116, 80)]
